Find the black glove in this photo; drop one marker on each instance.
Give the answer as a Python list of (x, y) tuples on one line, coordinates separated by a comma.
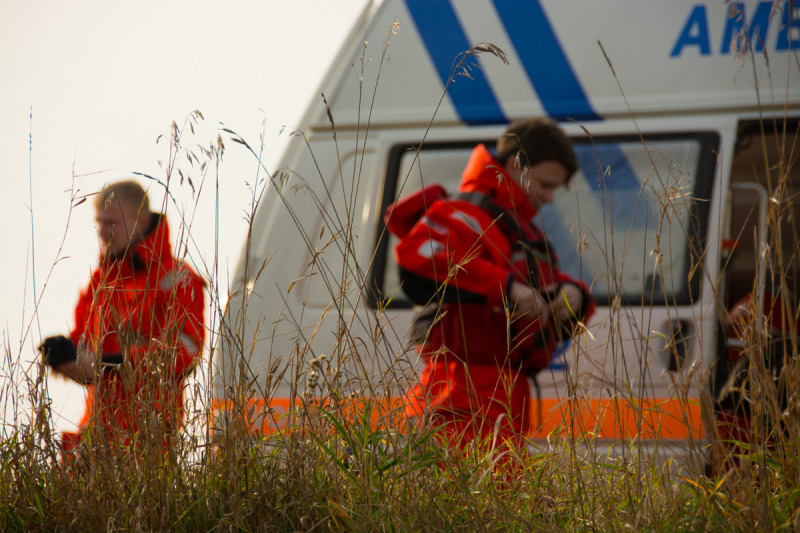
[(57, 351)]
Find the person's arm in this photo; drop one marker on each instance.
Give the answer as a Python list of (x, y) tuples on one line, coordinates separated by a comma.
[(188, 308), (61, 354), (81, 370), (179, 309), (447, 247)]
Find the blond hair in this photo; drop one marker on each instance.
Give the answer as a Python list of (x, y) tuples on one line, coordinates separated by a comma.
[(127, 192)]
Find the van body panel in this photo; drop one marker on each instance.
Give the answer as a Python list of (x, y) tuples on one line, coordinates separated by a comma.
[(569, 60)]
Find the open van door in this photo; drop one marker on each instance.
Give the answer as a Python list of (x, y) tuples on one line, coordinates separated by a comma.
[(757, 347)]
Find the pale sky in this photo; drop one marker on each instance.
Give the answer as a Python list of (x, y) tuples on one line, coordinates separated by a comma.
[(102, 80)]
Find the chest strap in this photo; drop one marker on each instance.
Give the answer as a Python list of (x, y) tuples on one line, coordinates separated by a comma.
[(534, 251)]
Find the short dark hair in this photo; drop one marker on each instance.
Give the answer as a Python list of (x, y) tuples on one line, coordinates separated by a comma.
[(127, 192), (537, 140)]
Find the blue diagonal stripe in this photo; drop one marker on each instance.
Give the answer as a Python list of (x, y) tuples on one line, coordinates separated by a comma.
[(445, 39), (620, 191), (544, 60), (593, 159)]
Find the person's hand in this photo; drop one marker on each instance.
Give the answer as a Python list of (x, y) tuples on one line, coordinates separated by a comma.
[(566, 301), (56, 351), (525, 302)]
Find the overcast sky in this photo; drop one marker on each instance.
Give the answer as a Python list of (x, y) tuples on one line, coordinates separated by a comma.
[(87, 88)]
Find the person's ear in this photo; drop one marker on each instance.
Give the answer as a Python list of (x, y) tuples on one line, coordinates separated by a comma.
[(143, 222)]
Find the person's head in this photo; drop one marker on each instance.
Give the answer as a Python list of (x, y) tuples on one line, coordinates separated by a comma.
[(537, 154), (123, 216)]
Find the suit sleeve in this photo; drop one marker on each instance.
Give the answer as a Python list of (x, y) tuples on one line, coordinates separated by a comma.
[(448, 251), (179, 308), (187, 311)]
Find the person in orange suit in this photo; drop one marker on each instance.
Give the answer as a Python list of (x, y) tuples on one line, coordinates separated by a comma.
[(498, 303), (139, 328)]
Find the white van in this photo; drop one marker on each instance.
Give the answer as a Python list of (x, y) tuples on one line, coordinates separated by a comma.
[(682, 113)]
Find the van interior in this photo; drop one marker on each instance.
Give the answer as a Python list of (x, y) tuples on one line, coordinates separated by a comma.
[(764, 174)]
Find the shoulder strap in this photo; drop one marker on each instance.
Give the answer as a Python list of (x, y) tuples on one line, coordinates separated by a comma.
[(507, 222), (534, 250)]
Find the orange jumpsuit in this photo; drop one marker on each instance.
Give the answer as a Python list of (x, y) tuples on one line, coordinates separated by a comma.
[(476, 244), (148, 306)]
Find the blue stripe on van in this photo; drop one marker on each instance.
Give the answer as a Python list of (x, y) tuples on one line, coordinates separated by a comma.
[(444, 38), (619, 192), (594, 159), (544, 60)]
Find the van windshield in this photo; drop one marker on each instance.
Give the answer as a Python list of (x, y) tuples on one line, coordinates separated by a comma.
[(631, 222)]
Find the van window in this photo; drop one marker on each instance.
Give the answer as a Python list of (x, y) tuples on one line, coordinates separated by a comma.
[(631, 223)]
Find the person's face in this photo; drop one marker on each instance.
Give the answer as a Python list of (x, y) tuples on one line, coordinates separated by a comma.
[(540, 181), (115, 227)]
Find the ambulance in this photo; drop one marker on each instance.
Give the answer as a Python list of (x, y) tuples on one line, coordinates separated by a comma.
[(684, 116)]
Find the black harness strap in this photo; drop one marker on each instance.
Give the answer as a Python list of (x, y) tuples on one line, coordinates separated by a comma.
[(534, 251)]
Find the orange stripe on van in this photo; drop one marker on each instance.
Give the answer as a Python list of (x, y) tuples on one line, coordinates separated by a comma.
[(612, 419), (662, 418)]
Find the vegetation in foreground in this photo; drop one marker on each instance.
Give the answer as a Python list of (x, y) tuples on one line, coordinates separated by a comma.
[(342, 473)]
